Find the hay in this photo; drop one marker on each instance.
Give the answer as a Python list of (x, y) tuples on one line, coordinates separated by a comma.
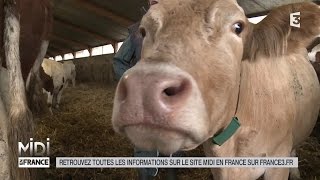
[(83, 128)]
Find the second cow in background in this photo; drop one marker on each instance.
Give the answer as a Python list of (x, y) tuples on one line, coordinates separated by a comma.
[(70, 72), (55, 77)]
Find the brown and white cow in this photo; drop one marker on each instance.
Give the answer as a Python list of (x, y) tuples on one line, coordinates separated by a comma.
[(202, 64), (24, 37), (54, 77)]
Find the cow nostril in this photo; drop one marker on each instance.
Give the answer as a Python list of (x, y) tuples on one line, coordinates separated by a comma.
[(175, 90), (171, 91)]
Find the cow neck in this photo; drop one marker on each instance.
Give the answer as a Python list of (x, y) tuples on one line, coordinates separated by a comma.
[(230, 130)]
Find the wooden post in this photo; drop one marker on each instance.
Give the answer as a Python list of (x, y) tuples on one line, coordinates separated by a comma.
[(90, 51), (115, 47)]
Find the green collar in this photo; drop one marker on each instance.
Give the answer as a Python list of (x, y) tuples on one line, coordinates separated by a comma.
[(221, 138)]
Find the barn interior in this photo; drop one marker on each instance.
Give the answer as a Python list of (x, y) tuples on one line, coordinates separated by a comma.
[(82, 126)]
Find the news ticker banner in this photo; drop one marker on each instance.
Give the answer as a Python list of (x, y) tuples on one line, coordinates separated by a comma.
[(165, 162), (175, 162)]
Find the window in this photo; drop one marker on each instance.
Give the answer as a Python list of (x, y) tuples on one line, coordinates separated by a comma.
[(256, 20), (97, 51), (105, 49), (68, 56), (119, 45), (58, 58), (108, 49), (83, 53)]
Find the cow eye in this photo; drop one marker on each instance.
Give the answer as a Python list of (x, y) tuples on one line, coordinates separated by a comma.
[(237, 28)]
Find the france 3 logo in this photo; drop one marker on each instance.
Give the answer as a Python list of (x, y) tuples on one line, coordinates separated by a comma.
[(38, 156), (295, 19)]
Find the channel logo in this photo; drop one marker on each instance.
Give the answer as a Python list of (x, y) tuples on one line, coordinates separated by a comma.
[(295, 19), (38, 156)]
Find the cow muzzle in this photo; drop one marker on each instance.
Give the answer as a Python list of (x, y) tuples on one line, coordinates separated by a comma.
[(160, 107)]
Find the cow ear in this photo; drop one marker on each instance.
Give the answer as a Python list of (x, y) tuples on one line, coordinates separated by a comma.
[(275, 35)]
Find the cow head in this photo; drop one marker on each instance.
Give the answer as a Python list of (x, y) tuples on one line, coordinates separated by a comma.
[(185, 88)]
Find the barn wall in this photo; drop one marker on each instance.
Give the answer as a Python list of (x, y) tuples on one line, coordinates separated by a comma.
[(96, 69)]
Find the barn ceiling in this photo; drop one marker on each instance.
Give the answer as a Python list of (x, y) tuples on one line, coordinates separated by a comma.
[(83, 24)]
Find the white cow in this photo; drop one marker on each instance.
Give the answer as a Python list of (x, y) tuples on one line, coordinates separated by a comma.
[(54, 81)]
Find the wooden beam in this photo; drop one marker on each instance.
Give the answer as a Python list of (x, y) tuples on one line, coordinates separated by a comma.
[(57, 51), (60, 49), (94, 8), (83, 30), (262, 13), (70, 42), (53, 53), (50, 54)]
